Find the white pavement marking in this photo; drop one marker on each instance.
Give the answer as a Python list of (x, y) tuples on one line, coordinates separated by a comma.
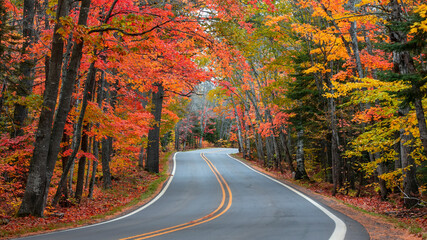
[(129, 214), (340, 227)]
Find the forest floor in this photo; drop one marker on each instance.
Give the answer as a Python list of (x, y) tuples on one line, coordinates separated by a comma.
[(105, 204), (382, 219)]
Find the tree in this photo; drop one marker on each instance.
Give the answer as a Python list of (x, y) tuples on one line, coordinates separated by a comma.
[(35, 196)]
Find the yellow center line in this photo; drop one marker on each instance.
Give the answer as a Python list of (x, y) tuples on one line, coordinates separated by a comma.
[(211, 216)]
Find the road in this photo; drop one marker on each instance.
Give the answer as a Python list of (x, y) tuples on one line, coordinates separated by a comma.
[(213, 196)]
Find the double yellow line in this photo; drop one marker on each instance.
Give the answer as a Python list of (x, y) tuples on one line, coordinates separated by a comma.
[(227, 199)]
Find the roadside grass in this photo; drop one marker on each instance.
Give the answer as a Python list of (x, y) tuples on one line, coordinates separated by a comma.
[(105, 205)]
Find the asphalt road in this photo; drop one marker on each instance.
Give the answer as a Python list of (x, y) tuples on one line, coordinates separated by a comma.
[(213, 196)]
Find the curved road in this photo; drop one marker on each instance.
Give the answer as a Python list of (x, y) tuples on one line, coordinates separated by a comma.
[(213, 196)]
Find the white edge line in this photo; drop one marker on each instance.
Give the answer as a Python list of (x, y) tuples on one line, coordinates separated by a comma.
[(340, 227), (124, 216)]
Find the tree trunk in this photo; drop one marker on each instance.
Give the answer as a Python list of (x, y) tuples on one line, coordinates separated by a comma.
[(106, 158), (65, 139), (152, 161), (177, 138), (335, 157), (300, 171), (355, 44), (35, 196), (419, 110), (94, 167), (88, 166), (239, 128), (90, 81), (287, 154), (82, 165), (410, 185), (65, 96), (248, 141), (26, 67), (99, 98), (381, 169), (278, 155), (259, 142), (141, 158)]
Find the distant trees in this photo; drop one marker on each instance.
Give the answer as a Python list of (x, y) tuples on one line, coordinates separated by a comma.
[(201, 123)]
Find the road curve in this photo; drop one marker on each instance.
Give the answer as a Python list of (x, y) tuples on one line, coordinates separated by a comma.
[(211, 195)]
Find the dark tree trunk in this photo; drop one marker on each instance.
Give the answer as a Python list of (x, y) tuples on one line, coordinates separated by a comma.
[(248, 141), (335, 157), (239, 130), (152, 161), (64, 159), (99, 98), (258, 142), (94, 166), (381, 169), (77, 130), (277, 155), (106, 158), (287, 154), (82, 165), (410, 185), (26, 67), (177, 138), (67, 88), (35, 196), (88, 166), (419, 110), (2, 90)]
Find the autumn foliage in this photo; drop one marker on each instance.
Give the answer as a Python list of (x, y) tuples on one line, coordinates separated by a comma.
[(322, 90)]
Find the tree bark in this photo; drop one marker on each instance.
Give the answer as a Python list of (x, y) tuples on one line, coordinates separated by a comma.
[(287, 154), (300, 171), (65, 96), (77, 130), (82, 166), (239, 130), (26, 67), (35, 196), (335, 157), (106, 159), (410, 185), (141, 158), (94, 167), (65, 139), (91, 140), (381, 169), (99, 98), (248, 141), (259, 143), (152, 161)]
